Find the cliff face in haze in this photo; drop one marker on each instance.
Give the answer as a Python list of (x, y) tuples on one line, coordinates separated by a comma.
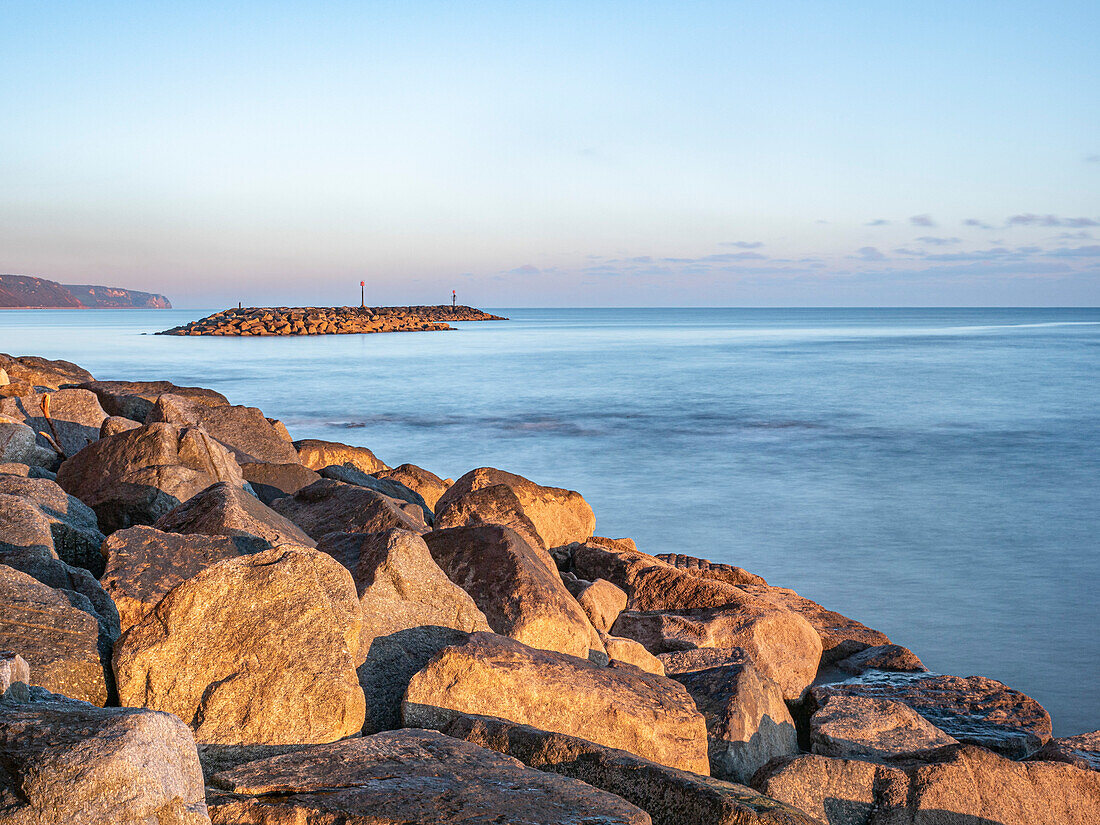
[(23, 291)]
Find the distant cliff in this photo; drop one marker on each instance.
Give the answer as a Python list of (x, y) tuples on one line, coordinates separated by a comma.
[(22, 291)]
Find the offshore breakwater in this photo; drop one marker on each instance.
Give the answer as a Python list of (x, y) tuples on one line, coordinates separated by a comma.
[(329, 320)]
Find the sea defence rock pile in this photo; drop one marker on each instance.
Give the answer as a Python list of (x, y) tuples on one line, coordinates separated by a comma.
[(329, 320), (204, 621)]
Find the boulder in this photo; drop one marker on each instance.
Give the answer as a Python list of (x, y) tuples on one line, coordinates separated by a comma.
[(254, 650), (143, 564), (560, 516), (317, 455), (281, 430), (72, 523), (74, 422), (17, 442), (136, 477), (882, 657), (15, 676), (1082, 751), (411, 610), (60, 642), (272, 481), (630, 652), (969, 786), (350, 474), (512, 586), (408, 777), (225, 509), (134, 399), (69, 762), (243, 430), (860, 727), (14, 468), (426, 483), (627, 708), (328, 506), (747, 720), (601, 601), (492, 505), (668, 795), (711, 570), (974, 710), (115, 424), (42, 372)]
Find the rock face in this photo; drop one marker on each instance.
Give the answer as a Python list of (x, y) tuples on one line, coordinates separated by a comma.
[(628, 651), (137, 476), (496, 504), (747, 721), (25, 291), (259, 649), (601, 601), (559, 516), (68, 762), (135, 399), (17, 442), (115, 424), (113, 297), (42, 372), (426, 483), (226, 510), (411, 610), (243, 430), (974, 710), (329, 320), (272, 481), (512, 586), (883, 657), (74, 420), (1082, 751), (328, 506), (350, 474), (971, 786), (409, 778), (72, 524), (490, 675), (317, 455), (668, 795), (860, 727)]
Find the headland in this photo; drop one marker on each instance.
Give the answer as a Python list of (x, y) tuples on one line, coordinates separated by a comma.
[(329, 320)]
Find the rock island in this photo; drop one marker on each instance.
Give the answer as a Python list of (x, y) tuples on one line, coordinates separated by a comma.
[(329, 320)]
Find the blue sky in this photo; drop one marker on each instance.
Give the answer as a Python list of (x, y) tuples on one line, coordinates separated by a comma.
[(556, 154)]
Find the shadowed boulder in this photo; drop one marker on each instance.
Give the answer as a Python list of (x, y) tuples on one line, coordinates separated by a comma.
[(350, 474), (72, 523), (1082, 751), (243, 430), (492, 505), (317, 455), (17, 442), (272, 481), (882, 657), (426, 483), (601, 601), (328, 506), (134, 399), (115, 424), (630, 652), (227, 510), (74, 422)]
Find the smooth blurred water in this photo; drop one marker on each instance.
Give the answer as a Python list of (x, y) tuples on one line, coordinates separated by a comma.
[(934, 473)]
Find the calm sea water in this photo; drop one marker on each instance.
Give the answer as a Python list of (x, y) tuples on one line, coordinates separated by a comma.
[(934, 473)]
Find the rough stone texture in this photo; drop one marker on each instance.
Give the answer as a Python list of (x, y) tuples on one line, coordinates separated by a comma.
[(974, 710), (711, 570), (143, 564), (601, 601), (72, 523), (860, 727), (244, 430), (260, 649), (17, 442), (350, 474), (882, 657), (426, 483), (115, 424), (747, 720), (560, 516), (272, 481), (60, 642), (328, 506), (227, 510), (627, 708), (137, 476), (134, 399), (496, 504), (15, 677), (42, 372), (1082, 751), (13, 468), (411, 610), (68, 762), (668, 795), (75, 416), (409, 777), (631, 653), (317, 455), (970, 786), (512, 586)]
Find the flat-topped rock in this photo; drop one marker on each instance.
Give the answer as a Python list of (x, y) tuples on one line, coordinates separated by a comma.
[(329, 320)]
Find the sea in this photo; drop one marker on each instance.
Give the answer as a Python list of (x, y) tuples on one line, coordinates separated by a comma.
[(933, 473)]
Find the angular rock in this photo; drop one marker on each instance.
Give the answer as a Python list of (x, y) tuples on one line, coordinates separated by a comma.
[(272, 481), (74, 422), (631, 652), (17, 441), (13, 468), (496, 504), (255, 650), (42, 372), (317, 455), (668, 795), (970, 786), (601, 601), (328, 506), (72, 523), (69, 762), (1082, 751), (115, 424), (974, 710), (426, 483), (411, 610), (136, 477), (15, 677), (408, 778), (243, 430), (882, 657), (350, 474), (560, 516), (226, 510), (859, 727), (134, 399), (512, 586), (711, 570), (491, 675)]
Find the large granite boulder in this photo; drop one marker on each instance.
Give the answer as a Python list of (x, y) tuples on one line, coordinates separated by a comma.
[(968, 786), (560, 516), (496, 504), (227, 510), (272, 481), (115, 424), (70, 762), (72, 523), (42, 372), (350, 474), (18, 442), (1082, 750), (630, 652), (627, 708), (243, 430), (74, 417), (860, 727), (134, 399), (137, 476), (426, 483), (748, 723), (974, 710), (512, 586), (317, 455), (328, 506), (411, 610), (254, 650), (408, 777), (882, 657), (601, 601)]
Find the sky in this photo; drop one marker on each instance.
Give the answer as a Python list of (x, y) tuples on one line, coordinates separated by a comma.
[(555, 153)]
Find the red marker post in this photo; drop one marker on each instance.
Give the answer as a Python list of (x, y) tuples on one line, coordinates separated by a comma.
[(362, 294)]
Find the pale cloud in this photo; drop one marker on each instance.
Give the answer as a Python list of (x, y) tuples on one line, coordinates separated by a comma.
[(878, 222), (922, 220), (1030, 219), (929, 239), (975, 222), (1092, 251), (526, 269), (743, 244), (869, 253)]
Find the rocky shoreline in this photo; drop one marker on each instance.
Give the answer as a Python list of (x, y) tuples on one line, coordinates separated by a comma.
[(203, 620), (329, 320)]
